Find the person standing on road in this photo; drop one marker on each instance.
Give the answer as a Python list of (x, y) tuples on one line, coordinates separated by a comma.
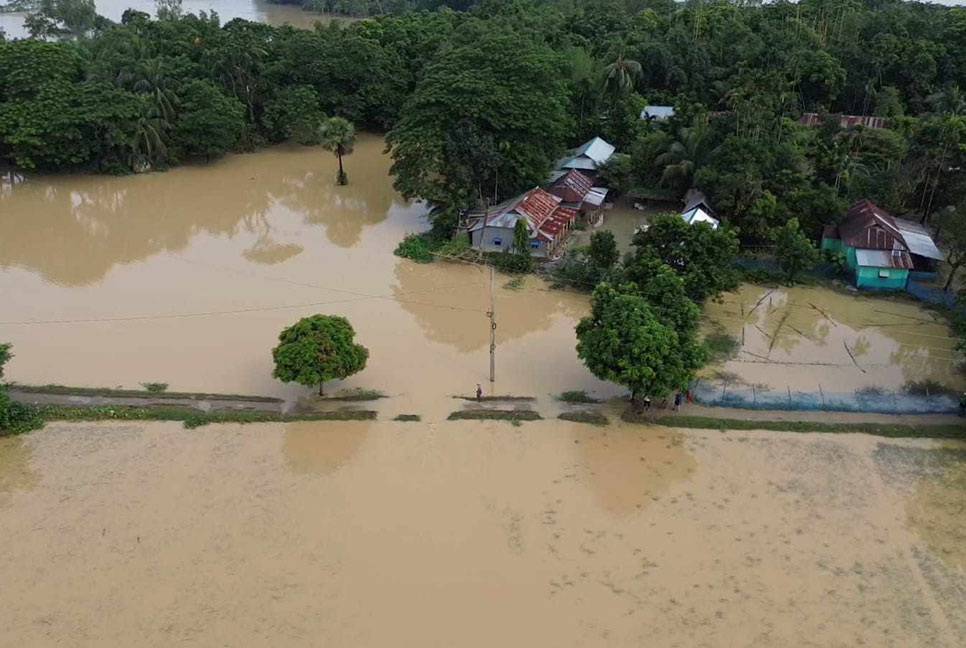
[(962, 405), (677, 401), (479, 393)]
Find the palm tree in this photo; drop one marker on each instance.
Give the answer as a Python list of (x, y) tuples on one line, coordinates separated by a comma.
[(339, 136), (147, 143), (685, 155), (619, 76), (949, 101)]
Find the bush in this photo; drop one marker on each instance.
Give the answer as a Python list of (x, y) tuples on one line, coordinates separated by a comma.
[(155, 387), (510, 263), (17, 418), (418, 247)]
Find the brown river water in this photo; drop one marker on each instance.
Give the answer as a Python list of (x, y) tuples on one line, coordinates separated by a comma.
[(477, 534)]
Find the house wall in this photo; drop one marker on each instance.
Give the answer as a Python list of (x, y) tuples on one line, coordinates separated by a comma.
[(868, 277), (486, 240)]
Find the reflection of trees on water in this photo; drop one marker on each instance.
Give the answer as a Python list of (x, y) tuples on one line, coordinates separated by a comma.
[(15, 472), (465, 288), (74, 229), (344, 211), (322, 448)]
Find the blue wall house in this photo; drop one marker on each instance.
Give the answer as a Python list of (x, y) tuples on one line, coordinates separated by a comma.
[(881, 251), (546, 218)]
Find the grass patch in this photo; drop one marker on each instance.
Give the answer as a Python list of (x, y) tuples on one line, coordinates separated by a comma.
[(892, 430), (355, 395), (722, 346), (484, 399), (408, 418), (191, 418), (513, 416), (64, 390), (575, 397), (589, 417)]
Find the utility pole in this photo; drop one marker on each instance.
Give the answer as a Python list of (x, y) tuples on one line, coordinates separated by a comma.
[(492, 316)]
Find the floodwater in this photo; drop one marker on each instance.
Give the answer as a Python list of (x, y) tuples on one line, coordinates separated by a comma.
[(477, 534), (187, 277), (803, 337), (253, 10)]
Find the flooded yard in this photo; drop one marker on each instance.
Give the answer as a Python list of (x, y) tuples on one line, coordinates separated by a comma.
[(819, 341), (478, 534)]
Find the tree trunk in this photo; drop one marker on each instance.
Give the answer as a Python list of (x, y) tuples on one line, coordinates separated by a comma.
[(321, 393), (342, 179), (953, 268)]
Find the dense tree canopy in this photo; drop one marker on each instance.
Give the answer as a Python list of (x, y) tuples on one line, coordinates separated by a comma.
[(628, 341), (316, 349), (480, 97)]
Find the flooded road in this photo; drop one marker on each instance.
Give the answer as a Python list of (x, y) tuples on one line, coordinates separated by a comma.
[(187, 277), (476, 534), (253, 10)]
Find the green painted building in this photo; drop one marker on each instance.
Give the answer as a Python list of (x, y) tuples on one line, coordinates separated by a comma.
[(882, 251)]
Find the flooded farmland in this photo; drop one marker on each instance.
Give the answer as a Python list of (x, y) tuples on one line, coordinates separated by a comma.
[(477, 534), (819, 341)]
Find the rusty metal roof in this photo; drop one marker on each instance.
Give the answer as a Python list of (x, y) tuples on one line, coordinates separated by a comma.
[(846, 121), (572, 186), (544, 214), (868, 226)]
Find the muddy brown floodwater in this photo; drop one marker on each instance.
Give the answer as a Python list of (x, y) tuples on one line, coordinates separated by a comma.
[(804, 337), (478, 534), (187, 277)]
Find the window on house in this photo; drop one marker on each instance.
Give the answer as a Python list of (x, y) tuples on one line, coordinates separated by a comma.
[(883, 273), (535, 244), (497, 241)]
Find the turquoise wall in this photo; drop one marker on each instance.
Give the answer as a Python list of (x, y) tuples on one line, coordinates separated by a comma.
[(869, 278)]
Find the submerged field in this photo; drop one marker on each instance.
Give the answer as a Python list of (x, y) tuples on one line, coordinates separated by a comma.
[(478, 534)]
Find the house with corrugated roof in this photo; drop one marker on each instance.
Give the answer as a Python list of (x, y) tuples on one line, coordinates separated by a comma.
[(587, 158), (847, 121), (697, 209), (882, 251), (547, 219), (657, 113), (577, 191)]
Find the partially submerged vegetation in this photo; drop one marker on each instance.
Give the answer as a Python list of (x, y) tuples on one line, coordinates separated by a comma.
[(106, 392), (590, 417), (577, 397), (408, 418), (513, 416), (358, 394), (893, 430)]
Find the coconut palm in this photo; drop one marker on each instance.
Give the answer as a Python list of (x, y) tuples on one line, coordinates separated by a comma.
[(619, 76), (339, 136), (146, 145), (949, 101), (685, 155)]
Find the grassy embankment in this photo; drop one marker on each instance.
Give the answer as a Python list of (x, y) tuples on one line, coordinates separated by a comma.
[(892, 430)]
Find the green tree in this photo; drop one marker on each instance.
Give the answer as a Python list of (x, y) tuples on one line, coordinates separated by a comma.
[(210, 122), (684, 156), (5, 355), (510, 86), (625, 341), (317, 349), (294, 113), (521, 242), (603, 250), (703, 257), (73, 18), (620, 75), (338, 135), (796, 253), (952, 229)]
